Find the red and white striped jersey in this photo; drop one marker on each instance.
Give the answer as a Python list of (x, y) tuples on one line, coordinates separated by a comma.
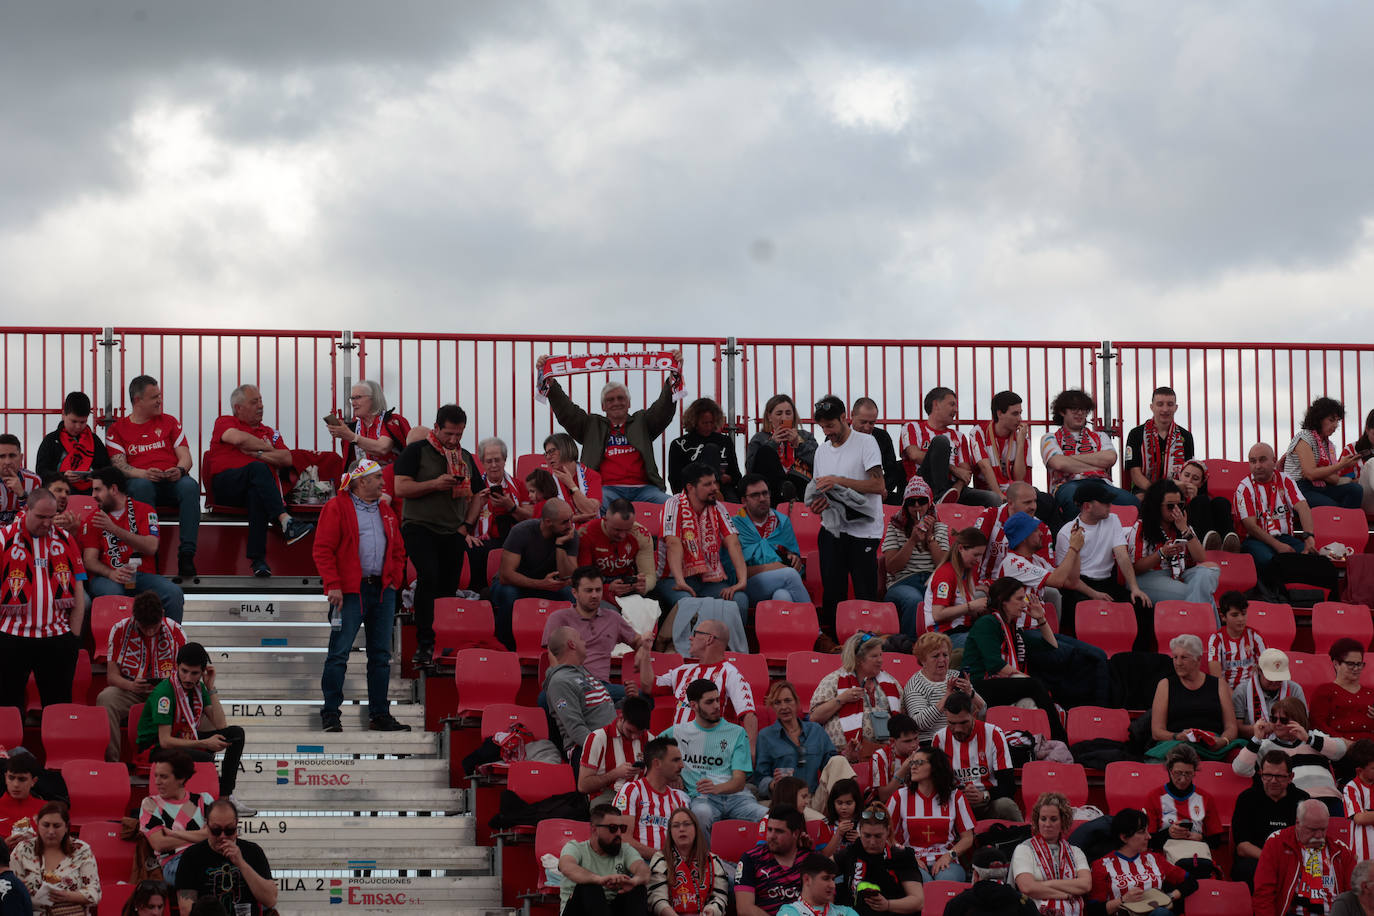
[(883, 766), (604, 750), (1199, 809), (920, 434), (649, 810), (1352, 450), (1114, 874), (1000, 453), (736, 697), (1270, 504), (979, 758), (927, 825), (11, 502), (1237, 656), (38, 590), (1358, 796)]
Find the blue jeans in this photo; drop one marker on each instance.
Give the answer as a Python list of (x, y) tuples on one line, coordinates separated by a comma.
[(777, 584), (173, 601), (951, 872), (1063, 496), (737, 806), (1264, 554), (184, 493), (503, 598), (667, 591), (909, 594), (644, 494), (1344, 496), (374, 609), (1199, 583)]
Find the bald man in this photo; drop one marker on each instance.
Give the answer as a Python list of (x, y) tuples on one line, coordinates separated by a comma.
[(537, 561), (577, 699), (1277, 524), (709, 641)]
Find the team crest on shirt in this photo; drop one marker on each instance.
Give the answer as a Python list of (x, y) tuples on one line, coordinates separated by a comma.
[(723, 744), (942, 590), (164, 705), (63, 572)]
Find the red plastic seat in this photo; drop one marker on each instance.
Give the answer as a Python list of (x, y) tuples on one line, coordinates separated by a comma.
[(1275, 624), (806, 525), (106, 611), (1039, 776), (784, 627), (1219, 898), (1224, 476), (1128, 515), (939, 894), (661, 717), (1237, 571), (1332, 620), (1346, 526), (498, 717), (1014, 718), (493, 565), (484, 677), (901, 667), (805, 670), (11, 727), (1109, 625), (812, 578), (1088, 722), (854, 615), (204, 779), (650, 515), (72, 731), (550, 836), (460, 623), (959, 517), (1309, 670), (98, 791), (1174, 618), (534, 781), (1223, 784), (528, 617), (140, 759), (731, 839), (524, 464), (754, 670), (1129, 784), (113, 896), (114, 858)]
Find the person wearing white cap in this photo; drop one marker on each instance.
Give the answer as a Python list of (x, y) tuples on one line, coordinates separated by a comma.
[(1269, 682), (361, 559)]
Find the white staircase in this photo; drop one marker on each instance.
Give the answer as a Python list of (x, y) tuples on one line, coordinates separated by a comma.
[(361, 820)]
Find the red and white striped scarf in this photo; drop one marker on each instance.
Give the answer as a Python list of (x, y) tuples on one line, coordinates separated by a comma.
[(1013, 657), (456, 465), (37, 576), (1044, 857), (701, 540), (580, 470), (883, 688), (1156, 463), (189, 706), (139, 656)]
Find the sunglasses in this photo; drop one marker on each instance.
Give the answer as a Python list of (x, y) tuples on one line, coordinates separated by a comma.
[(224, 831), (613, 828), (1282, 720), (703, 633), (877, 815)]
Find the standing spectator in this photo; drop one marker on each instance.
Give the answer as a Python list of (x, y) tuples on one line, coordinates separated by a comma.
[(849, 474), (817, 890), (790, 746), (362, 566), (14, 895), (716, 760), (955, 596), (1074, 453), (577, 700), (537, 560), (874, 876), (769, 875), (696, 528), (16, 482), (143, 651), (600, 627), (1191, 705), (649, 800), (603, 874), (245, 458), (1311, 459), (619, 445), (686, 878), (931, 816), (19, 807), (1269, 682), (150, 447), (374, 433), (780, 452), (1265, 505), (59, 863), (1345, 707), (923, 697), (981, 758), (863, 416), (1132, 873), (1301, 870), (170, 818), (1105, 546), (42, 606), (230, 869), (1210, 516), (703, 441), (1170, 564), (1158, 448), (707, 648), (936, 450), (772, 556), (1047, 868), (575, 483), (73, 449), (443, 491), (915, 542), (611, 754), (855, 701), (507, 502), (1358, 799), (621, 550), (1233, 650), (1262, 810), (117, 539)]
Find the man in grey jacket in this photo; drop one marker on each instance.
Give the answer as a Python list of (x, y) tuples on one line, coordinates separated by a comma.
[(577, 699)]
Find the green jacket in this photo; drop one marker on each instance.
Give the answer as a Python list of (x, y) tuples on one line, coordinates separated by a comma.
[(984, 649), (591, 429)]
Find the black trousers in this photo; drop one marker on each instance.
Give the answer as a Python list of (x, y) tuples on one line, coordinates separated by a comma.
[(590, 900), (256, 488), (845, 558), (438, 560), (51, 661), (229, 767), (1004, 691)]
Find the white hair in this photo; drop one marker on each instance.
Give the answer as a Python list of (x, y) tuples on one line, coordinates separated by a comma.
[(1313, 805), (374, 391), (1187, 642), (1360, 874), (240, 394), (607, 388), (488, 443)]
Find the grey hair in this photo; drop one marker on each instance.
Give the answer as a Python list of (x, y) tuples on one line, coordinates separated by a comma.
[(488, 443), (558, 640), (1313, 804), (1360, 874), (374, 391), (612, 386), (1189, 643), (240, 394)]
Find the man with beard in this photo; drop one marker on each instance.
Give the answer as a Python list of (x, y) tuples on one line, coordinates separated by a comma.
[(233, 871), (603, 874), (118, 539), (16, 482), (770, 874), (695, 530)]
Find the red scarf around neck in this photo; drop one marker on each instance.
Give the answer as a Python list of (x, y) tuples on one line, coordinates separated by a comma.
[(1159, 463), (456, 465)]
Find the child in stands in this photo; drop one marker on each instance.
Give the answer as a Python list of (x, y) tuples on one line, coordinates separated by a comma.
[(18, 805), (1234, 650)]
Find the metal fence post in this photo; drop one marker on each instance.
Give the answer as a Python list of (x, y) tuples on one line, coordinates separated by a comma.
[(730, 352), (107, 344), (347, 347), (1104, 412)]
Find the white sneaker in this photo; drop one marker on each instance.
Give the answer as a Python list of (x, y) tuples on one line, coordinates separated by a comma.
[(241, 808)]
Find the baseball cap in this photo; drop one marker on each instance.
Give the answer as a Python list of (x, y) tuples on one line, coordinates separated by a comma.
[(1273, 664)]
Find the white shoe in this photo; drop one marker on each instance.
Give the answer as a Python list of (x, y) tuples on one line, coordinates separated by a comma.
[(241, 808)]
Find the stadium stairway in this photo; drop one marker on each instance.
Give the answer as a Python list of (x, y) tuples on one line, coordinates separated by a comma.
[(366, 821)]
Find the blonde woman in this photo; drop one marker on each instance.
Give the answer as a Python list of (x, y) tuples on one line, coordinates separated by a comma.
[(855, 702)]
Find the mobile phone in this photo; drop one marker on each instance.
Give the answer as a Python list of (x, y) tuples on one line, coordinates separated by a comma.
[(638, 764), (332, 419), (1365, 454), (628, 580), (496, 490)]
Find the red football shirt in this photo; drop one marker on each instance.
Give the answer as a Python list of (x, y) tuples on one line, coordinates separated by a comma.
[(147, 445), (138, 518), (225, 457)]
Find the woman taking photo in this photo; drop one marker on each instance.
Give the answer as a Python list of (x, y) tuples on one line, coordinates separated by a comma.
[(780, 452), (1311, 459), (925, 692), (1132, 873), (58, 869), (171, 818), (1192, 705), (914, 544), (686, 878), (932, 817), (855, 702), (1046, 868), (790, 746), (150, 898), (952, 598)]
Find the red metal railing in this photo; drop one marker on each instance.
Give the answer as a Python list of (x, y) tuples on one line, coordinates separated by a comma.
[(38, 366)]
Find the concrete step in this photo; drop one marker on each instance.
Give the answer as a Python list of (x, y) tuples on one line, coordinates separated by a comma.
[(243, 687), (301, 780), (442, 843), (265, 607), (304, 715), (315, 893), (354, 740), (259, 635)]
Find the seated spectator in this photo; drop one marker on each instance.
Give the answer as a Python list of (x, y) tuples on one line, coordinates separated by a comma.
[(1265, 505), (863, 417), (143, 652), (245, 458), (16, 483), (874, 876), (1000, 448), (686, 877), (855, 701), (791, 746), (890, 765), (955, 596), (575, 483), (577, 700), (1362, 472), (1047, 868), (542, 487), (841, 810), (649, 800), (1170, 564), (170, 818), (227, 867), (769, 875), (1075, 454), (1192, 706), (780, 452), (1132, 873), (1357, 798), (537, 559), (1182, 812), (65, 519), (915, 542), (600, 627), (703, 441), (1345, 707), (1301, 870), (611, 754), (620, 444), (1020, 497), (981, 758), (374, 431), (818, 890), (15, 899), (150, 447), (707, 648), (1158, 448), (507, 502), (1312, 752), (1312, 461), (716, 760), (791, 792), (73, 449), (117, 540), (177, 712), (19, 807), (990, 894), (1359, 900), (59, 863), (621, 550), (772, 556), (1269, 682), (152, 898), (696, 528), (1210, 516), (1233, 650), (1105, 547), (924, 695), (931, 817), (1261, 810), (935, 450), (995, 654)]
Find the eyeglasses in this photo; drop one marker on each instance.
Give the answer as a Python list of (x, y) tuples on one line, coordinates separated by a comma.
[(613, 828), (357, 397), (1354, 666), (920, 762), (1275, 776), (703, 633), (224, 831), (874, 814)]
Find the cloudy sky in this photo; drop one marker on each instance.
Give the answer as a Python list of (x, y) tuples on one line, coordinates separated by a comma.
[(1180, 170)]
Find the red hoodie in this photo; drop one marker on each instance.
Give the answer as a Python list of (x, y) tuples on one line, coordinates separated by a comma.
[(336, 547)]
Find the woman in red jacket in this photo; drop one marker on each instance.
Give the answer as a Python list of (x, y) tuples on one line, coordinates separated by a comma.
[(361, 558)]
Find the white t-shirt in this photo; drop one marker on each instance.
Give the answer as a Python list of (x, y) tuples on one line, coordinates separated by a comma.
[(1095, 561), (853, 460), (1023, 863)]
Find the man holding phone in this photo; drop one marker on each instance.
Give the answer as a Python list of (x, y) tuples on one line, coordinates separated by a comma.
[(143, 651), (537, 561)]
